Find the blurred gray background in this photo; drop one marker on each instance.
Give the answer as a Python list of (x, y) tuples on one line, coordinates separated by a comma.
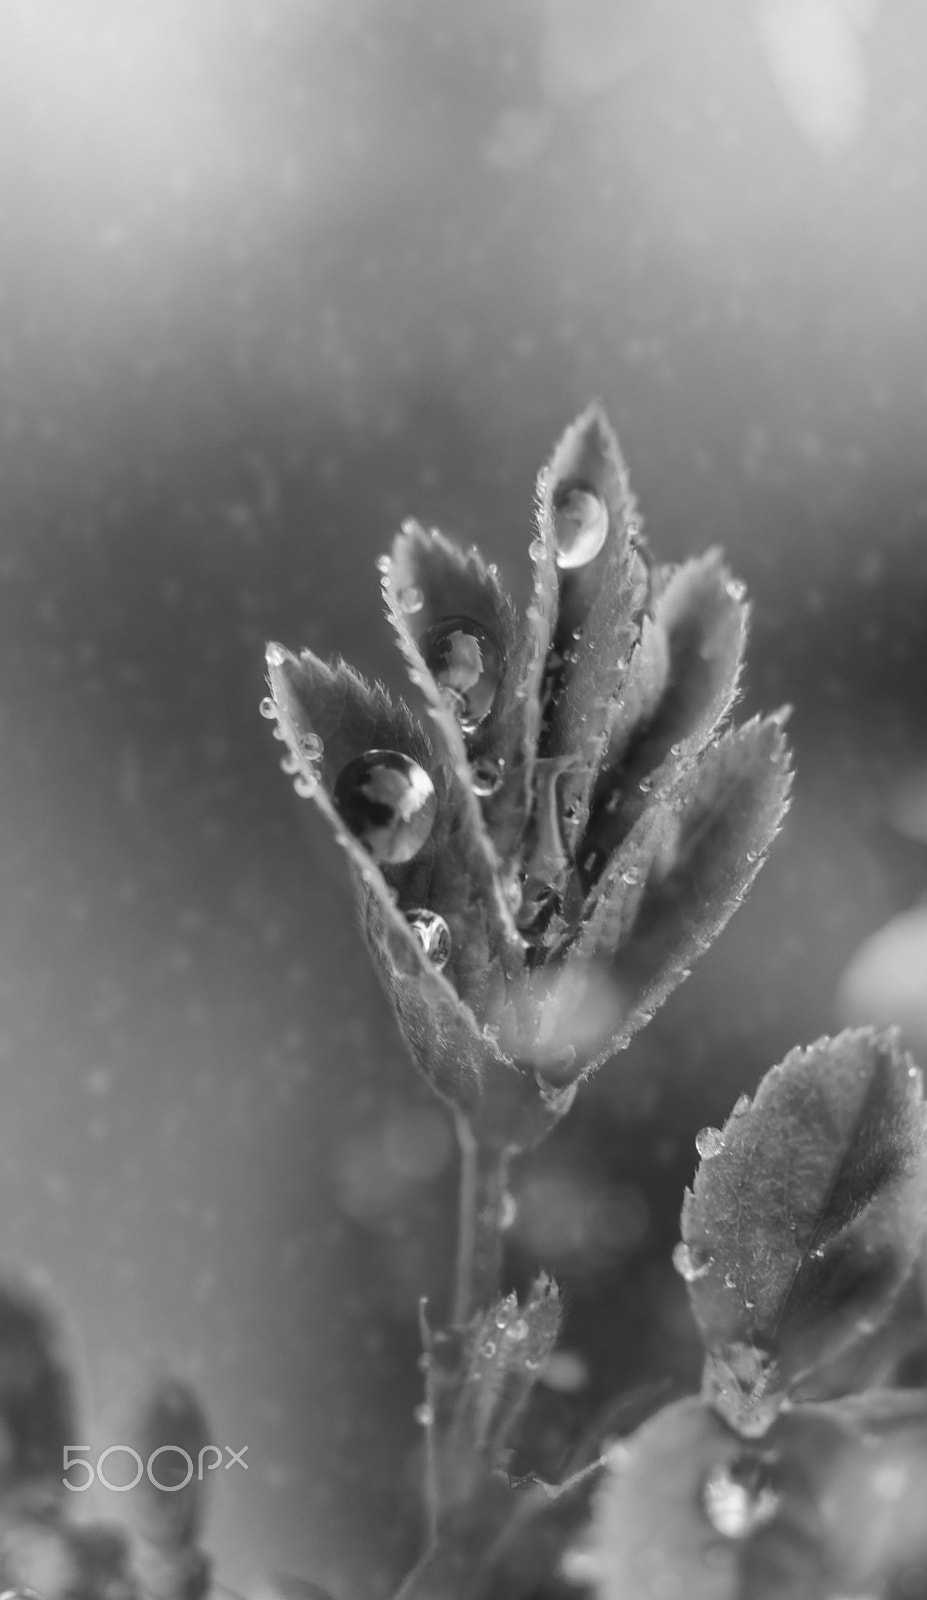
[(273, 275)]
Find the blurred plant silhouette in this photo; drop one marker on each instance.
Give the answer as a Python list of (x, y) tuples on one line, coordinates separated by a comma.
[(536, 873)]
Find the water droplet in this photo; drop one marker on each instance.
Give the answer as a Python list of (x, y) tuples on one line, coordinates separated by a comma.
[(645, 785), (311, 746), (753, 855), (729, 1280), (466, 662), (507, 1211), (433, 935), (631, 876), (289, 763), (486, 776), (580, 527), (388, 801), (735, 589), (687, 1263), (518, 1330), (384, 564), (737, 1499), (489, 1349), (268, 706), (675, 750), (275, 655), (411, 600), (424, 1415), (709, 1142), (305, 785)]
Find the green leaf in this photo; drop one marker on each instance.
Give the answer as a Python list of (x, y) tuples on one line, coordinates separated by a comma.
[(446, 583), (672, 886), (677, 695), (813, 1511), (806, 1221), (452, 873), (599, 613)]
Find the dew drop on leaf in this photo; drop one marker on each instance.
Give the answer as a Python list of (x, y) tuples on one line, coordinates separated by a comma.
[(311, 746), (737, 1500), (486, 776), (466, 663), (580, 527), (709, 1142), (433, 935), (388, 802), (688, 1264)]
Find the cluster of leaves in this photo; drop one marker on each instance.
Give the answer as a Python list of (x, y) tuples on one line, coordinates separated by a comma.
[(44, 1551), (579, 826)]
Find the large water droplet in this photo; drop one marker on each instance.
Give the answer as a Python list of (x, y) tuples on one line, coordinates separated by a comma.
[(268, 706), (466, 663), (709, 1142), (580, 527), (738, 1498), (433, 935), (486, 776), (388, 801), (688, 1264)]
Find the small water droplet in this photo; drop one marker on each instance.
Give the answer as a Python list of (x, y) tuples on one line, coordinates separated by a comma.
[(687, 1263), (709, 1142), (735, 589), (384, 564), (729, 1280), (268, 706), (388, 802), (305, 785), (289, 763), (489, 1349), (675, 750), (507, 1211), (433, 934), (737, 1499), (486, 776), (465, 661), (580, 527), (630, 876), (753, 855), (424, 1415), (275, 655), (645, 785), (411, 600), (311, 746)]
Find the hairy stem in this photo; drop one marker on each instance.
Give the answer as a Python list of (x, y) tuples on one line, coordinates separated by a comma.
[(484, 1171)]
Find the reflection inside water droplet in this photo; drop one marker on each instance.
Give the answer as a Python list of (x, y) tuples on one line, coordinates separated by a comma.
[(388, 801), (709, 1142), (580, 527), (466, 663), (486, 776), (738, 1497), (689, 1264), (433, 935)]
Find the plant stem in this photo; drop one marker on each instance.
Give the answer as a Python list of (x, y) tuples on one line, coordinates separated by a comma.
[(483, 1175)]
